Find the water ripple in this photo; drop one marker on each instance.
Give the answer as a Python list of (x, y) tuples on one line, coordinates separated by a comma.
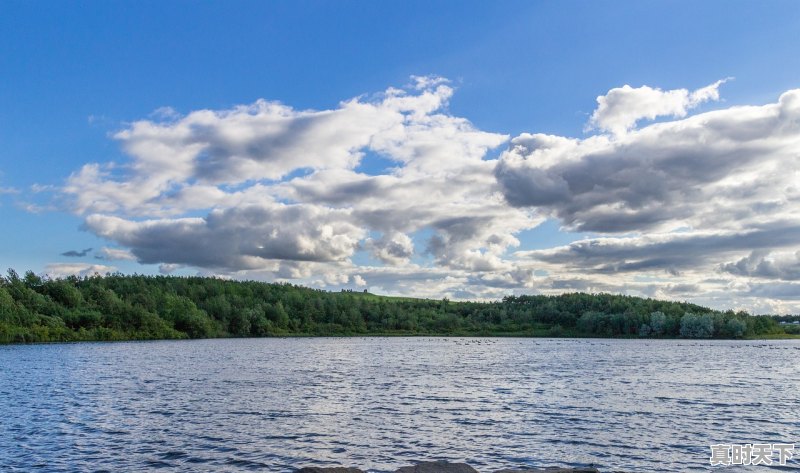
[(379, 403)]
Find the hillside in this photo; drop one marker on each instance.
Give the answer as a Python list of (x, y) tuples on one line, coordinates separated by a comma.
[(119, 307)]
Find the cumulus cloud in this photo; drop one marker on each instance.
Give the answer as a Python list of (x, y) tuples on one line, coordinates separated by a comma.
[(621, 108), (265, 184), (679, 201), (764, 264), (719, 169), (168, 268), (268, 141), (701, 207), (114, 254), (452, 241), (394, 248), (514, 279), (236, 238), (60, 270)]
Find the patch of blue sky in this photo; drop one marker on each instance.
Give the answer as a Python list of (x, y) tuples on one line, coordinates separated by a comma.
[(547, 235), (421, 239), (495, 153), (518, 66), (375, 164), (35, 245), (364, 257), (294, 174)]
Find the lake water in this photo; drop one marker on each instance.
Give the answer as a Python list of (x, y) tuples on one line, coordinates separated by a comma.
[(380, 403)]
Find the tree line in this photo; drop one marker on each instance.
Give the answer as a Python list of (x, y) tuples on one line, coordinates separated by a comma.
[(138, 307)]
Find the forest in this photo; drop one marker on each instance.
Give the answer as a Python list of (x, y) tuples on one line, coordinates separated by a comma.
[(137, 307)]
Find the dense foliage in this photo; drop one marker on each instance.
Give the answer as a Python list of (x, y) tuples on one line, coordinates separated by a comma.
[(118, 307)]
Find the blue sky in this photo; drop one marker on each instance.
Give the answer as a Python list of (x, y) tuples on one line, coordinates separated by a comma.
[(76, 75)]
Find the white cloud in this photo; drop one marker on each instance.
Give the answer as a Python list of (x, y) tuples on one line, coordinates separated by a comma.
[(265, 141), (707, 204), (702, 207), (724, 169), (233, 165), (620, 109), (60, 270), (115, 254), (237, 238), (673, 252), (393, 248), (168, 268), (767, 265), (165, 113)]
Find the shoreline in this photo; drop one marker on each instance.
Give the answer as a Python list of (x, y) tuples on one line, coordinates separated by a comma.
[(378, 335)]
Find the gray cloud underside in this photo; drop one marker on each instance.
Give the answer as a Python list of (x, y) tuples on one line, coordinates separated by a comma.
[(706, 171), (76, 253), (673, 252), (238, 238), (761, 264)]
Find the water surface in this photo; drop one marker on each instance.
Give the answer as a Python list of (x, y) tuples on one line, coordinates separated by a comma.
[(380, 403)]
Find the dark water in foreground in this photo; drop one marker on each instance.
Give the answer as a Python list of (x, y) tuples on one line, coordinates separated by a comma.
[(273, 404)]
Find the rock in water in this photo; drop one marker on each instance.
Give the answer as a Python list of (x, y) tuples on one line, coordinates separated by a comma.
[(438, 467)]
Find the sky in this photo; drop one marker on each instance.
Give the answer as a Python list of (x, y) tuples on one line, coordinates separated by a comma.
[(459, 149)]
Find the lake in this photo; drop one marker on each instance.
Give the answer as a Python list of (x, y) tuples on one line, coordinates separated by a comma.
[(381, 403)]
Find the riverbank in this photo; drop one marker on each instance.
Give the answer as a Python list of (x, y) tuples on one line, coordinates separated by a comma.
[(487, 337)]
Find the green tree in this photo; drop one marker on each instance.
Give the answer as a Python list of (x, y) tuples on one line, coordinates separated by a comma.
[(658, 323), (697, 326)]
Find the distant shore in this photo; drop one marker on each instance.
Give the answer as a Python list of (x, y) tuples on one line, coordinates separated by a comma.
[(116, 307), (398, 335)]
